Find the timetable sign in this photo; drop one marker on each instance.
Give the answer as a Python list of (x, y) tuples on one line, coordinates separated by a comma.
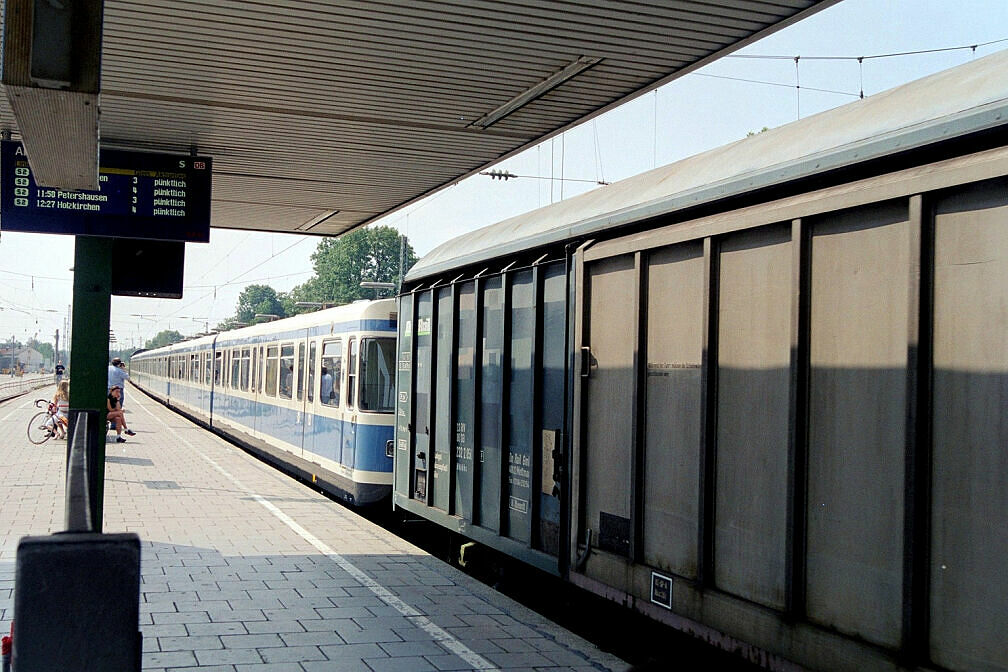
[(140, 195)]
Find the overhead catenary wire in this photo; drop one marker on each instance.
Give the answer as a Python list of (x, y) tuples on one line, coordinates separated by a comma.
[(506, 175), (894, 54), (233, 280), (780, 84)]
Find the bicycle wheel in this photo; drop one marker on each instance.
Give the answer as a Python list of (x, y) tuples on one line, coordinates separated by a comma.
[(40, 428)]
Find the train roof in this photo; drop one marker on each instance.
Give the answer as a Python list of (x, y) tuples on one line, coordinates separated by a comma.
[(961, 101), (381, 309)]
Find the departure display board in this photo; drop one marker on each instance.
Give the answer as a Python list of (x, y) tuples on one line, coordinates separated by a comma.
[(140, 195)]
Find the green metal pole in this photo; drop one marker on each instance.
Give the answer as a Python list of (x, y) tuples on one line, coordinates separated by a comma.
[(92, 304)]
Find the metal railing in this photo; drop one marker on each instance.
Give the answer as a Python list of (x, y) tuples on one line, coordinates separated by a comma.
[(12, 386)]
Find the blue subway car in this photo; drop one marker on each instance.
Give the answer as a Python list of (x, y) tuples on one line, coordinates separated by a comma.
[(314, 393)]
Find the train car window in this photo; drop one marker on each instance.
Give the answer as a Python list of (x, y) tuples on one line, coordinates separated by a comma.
[(207, 368), (217, 367), (301, 372), (311, 372), (351, 372), (243, 374), (377, 375), (254, 373), (332, 373), (262, 368), (272, 370), (194, 369), (286, 370)]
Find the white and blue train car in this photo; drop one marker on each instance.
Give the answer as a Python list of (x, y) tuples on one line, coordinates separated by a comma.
[(313, 394)]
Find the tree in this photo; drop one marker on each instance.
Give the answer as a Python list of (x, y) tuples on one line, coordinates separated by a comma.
[(229, 324), (258, 300), (166, 337), (369, 254), (124, 354)]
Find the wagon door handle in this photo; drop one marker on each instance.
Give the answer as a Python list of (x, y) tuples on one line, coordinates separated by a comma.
[(586, 360)]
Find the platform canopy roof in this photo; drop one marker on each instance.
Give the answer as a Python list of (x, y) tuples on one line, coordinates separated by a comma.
[(324, 115)]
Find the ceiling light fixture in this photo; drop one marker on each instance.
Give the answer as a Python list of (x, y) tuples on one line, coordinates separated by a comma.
[(526, 97)]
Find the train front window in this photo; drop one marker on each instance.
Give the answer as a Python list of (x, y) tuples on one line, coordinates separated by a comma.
[(377, 375)]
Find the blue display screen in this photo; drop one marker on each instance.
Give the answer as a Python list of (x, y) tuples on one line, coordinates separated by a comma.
[(140, 195)]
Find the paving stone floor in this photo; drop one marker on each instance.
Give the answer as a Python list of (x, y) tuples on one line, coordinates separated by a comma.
[(246, 570)]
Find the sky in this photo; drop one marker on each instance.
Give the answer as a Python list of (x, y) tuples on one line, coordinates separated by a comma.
[(714, 106)]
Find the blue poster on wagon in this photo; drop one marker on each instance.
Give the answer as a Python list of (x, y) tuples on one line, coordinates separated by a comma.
[(141, 195)]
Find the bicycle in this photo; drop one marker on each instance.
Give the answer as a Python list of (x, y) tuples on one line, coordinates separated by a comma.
[(42, 426)]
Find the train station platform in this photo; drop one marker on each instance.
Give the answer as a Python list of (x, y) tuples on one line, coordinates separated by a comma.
[(246, 569)]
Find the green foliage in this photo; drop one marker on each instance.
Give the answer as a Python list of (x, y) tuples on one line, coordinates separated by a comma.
[(341, 264), (366, 255), (229, 324), (123, 354), (166, 337), (258, 300)]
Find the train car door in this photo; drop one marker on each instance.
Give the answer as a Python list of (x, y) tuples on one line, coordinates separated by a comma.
[(350, 408), (304, 414), (329, 431), (310, 395), (422, 394), (608, 384)]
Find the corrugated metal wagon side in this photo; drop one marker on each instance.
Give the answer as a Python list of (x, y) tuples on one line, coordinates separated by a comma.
[(757, 395)]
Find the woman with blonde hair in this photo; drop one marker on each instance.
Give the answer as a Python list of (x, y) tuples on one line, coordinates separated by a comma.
[(62, 401)]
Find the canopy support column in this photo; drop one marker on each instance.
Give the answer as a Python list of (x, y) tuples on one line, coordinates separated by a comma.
[(92, 303)]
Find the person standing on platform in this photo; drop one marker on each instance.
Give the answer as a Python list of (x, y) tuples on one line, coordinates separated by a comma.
[(117, 377), (326, 391), (60, 370)]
